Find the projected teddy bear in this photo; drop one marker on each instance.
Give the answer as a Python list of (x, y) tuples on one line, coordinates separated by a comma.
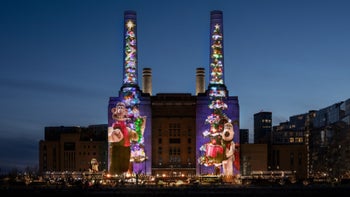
[(120, 137), (229, 149)]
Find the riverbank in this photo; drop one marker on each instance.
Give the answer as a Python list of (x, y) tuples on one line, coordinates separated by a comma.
[(202, 191)]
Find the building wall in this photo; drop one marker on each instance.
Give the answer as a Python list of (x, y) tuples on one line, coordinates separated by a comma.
[(49, 156), (71, 150), (173, 134), (290, 158), (253, 158), (54, 157)]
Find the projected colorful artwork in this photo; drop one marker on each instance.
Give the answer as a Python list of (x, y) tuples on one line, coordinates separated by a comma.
[(126, 133), (130, 56), (219, 139), (126, 124), (216, 64), (219, 143)]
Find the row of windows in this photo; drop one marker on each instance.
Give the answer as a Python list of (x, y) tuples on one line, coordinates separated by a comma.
[(87, 153), (174, 141), (266, 120), (174, 150), (175, 133), (88, 146), (296, 140), (288, 139), (174, 160), (80, 153), (174, 129), (71, 146), (266, 127)]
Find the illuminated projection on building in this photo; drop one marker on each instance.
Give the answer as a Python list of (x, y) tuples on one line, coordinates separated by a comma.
[(126, 125), (130, 56), (219, 149), (216, 116), (216, 66)]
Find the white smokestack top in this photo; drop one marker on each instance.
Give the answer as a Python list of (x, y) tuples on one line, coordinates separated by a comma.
[(200, 80), (147, 80)]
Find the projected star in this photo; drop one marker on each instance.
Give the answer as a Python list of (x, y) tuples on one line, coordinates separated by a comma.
[(130, 25)]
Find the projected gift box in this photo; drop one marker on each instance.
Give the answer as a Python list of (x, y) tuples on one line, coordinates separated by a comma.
[(214, 152)]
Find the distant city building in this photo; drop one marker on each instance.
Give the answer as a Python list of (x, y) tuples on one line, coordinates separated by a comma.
[(288, 146), (73, 148), (320, 138), (292, 131), (244, 136), (329, 138), (262, 127), (329, 115)]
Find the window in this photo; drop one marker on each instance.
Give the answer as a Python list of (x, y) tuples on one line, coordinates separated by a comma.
[(174, 129), (174, 141), (299, 159), (189, 150), (189, 132)]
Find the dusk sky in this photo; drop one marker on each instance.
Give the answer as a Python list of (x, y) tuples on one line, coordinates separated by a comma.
[(61, 60)]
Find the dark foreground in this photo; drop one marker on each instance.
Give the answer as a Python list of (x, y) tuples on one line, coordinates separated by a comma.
[(202, 191)]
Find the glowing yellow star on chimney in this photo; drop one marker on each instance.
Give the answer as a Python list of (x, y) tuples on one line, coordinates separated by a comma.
[(130, 24)]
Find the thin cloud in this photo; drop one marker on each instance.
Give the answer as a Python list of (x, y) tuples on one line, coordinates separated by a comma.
[(45, 87)]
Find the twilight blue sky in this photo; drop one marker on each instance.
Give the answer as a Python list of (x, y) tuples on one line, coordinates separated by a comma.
[(61, 60)]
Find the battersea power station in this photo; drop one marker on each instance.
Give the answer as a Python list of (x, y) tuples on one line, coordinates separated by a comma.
[(163, 134)]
